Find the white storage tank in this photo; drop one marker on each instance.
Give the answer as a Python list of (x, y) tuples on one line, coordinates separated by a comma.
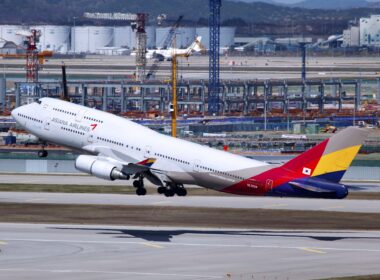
[(205, 34), (54, 38), (151, 36), (227, 36), (161, 33), (121, 40), (184, 36), (87, 39), (8, 33), (123, 37)]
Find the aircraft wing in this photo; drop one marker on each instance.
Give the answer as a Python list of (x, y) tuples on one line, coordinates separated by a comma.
[(142, 166), (127, 164)]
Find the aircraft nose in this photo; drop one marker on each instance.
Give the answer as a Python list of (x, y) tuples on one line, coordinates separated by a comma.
[(15, 113)]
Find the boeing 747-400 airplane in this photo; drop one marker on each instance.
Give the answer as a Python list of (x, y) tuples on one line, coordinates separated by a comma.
[(167, 54), (115, 148)]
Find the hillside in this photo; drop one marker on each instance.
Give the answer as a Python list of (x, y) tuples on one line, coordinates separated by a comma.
[(336, 4), (251, 18)]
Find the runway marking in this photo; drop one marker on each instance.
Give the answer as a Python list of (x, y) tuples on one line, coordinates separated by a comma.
[(195, 245), (162, 202), (312, 250), (152, 245), (35, 199), (176, 276), (276, 205), (331, 207)]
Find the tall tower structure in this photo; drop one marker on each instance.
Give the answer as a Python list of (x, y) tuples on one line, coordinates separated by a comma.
[(214, 57), (32, 59), (141, 40)]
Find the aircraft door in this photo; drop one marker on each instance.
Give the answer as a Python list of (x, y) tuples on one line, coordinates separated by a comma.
[(80, 115), (47, 125), (91, 138), (268, 185)]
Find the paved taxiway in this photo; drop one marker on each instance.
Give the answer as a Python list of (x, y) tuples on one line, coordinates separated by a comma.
[(234, 202), (34, 251)]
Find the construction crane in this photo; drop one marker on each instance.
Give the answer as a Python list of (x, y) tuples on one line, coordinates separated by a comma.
[(214, 56), (173, 106), (137, 23), (34, 59), (166, 44)]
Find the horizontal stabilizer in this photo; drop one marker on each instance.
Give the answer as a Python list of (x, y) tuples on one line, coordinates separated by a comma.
[(310, 188)]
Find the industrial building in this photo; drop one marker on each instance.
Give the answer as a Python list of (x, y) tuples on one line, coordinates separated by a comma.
[(351, 37), (365, 33), (370, 31), (94, 39)]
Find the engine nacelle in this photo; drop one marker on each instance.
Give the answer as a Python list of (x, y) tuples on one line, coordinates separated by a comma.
[(100, 168)]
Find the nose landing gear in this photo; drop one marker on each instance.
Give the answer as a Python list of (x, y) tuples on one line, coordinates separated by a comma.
[(42, 153)]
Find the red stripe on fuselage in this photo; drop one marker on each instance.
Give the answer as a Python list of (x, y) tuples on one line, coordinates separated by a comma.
[(263, 183)]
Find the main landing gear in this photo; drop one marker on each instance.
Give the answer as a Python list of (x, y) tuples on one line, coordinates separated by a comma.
[(172, 189), (139, 185)]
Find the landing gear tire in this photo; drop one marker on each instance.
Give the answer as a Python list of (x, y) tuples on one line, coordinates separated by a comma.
[(161, 190), (169, 192), (137, 184), (141, 191), (181, 191), (42, 154)]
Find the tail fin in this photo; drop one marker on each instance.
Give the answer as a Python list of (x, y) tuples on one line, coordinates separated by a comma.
[(330, 159), (194, 46)]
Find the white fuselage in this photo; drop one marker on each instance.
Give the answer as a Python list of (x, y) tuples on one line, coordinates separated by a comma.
[(97, 132)]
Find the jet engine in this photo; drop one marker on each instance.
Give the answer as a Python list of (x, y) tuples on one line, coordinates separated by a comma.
[(100, 168)]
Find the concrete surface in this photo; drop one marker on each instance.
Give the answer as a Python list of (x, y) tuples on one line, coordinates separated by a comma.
[(36, 251), (234, 202)]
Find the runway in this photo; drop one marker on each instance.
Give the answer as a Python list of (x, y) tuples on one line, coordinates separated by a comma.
[(231, 202), (35, 251), (81, 179)]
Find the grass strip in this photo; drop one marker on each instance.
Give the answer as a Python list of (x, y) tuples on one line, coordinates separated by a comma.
[(186, 216), (365, 277)]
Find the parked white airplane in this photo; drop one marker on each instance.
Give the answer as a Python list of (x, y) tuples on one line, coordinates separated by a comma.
[(167, 54), (115, 148)]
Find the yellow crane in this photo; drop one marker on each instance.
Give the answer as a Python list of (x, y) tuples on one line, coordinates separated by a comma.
[(173, 107)]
